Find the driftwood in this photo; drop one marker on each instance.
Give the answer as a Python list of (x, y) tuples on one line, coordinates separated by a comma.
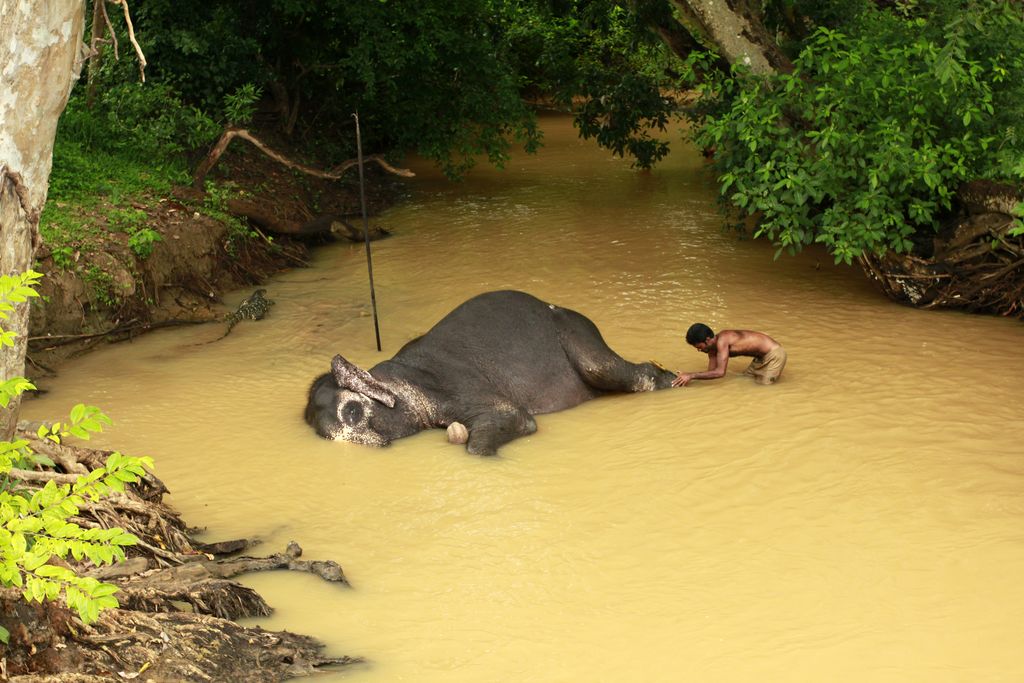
[(975, 264), (177, 599)]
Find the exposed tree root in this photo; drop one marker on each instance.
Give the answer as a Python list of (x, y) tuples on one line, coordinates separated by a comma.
[(176, 595), (974, 265)]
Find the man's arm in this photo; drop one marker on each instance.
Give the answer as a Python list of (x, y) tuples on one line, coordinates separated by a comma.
[(717, 364), (712, 361)]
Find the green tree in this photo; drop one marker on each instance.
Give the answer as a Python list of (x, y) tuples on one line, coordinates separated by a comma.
[(602, 62), (429, 77), (862, 146)]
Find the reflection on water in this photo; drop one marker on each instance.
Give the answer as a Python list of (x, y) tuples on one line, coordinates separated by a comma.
[(859, 521)]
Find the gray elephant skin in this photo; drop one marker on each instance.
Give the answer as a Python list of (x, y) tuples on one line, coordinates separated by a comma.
[(491, 364)]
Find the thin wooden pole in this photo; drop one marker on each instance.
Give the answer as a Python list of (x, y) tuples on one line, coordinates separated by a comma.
[(366, 229)]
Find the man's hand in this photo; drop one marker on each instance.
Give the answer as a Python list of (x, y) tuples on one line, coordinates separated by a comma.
[(682, 379)]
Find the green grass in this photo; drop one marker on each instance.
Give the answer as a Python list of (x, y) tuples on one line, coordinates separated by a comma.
[(93, 191)]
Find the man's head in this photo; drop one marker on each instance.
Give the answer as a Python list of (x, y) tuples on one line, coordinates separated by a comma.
[(698, 335)]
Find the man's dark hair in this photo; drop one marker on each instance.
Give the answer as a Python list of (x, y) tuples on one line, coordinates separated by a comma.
[(697, 333)]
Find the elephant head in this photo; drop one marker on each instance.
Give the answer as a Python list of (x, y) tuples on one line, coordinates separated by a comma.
[(350, 404)]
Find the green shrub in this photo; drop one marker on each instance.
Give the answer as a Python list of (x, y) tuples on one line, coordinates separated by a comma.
[(240, 106), (63, 257), (141, 242), (102, 285), (140, 121), (133, 222)]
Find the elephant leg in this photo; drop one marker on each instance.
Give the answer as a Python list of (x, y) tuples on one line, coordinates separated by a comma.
[(598, 365), (491, 430)]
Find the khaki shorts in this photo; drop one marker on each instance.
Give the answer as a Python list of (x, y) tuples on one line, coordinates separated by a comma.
[(768, 368)]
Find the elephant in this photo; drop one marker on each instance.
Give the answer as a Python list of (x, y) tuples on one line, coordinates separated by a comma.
[(483, 371)]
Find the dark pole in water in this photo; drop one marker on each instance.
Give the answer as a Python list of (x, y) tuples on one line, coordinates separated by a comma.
[(366, 229)]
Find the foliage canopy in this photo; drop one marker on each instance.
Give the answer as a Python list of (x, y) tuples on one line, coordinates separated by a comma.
[(863, 145), (888, 108)]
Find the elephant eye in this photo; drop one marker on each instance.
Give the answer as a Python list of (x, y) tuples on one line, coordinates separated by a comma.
[(352, 413)]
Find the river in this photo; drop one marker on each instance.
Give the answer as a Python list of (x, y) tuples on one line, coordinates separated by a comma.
[(862, 520)]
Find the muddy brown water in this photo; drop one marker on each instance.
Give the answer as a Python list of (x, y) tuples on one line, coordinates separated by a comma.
[(859, 521)]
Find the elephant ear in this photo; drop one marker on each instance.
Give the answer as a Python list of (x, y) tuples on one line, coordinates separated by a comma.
[(348, 376)]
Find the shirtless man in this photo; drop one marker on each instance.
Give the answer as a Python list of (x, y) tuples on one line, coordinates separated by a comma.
[(769, 356)]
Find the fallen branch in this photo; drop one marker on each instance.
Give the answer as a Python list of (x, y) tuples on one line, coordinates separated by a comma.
[(41, 477), (229, 134), (204, 584)]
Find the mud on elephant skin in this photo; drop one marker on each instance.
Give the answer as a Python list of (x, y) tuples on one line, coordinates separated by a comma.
[(491, 364)]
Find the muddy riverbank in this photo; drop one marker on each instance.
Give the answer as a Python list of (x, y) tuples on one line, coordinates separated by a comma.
[(102, 291)]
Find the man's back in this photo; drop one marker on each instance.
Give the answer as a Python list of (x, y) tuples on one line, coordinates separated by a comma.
[(745, 343)]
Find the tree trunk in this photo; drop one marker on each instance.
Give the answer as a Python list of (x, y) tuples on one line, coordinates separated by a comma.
[(40, 59), (734, 27)]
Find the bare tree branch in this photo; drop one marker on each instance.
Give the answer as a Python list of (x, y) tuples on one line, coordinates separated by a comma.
[(131, 37), (229, 134)]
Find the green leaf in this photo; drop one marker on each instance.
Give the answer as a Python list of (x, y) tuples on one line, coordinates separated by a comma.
[(125, 539), (54, 572), (107, 602), (37, 588), (18, 544), (126, 476), (32, 561), (114, 483), (91, 612), (103, 589)]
